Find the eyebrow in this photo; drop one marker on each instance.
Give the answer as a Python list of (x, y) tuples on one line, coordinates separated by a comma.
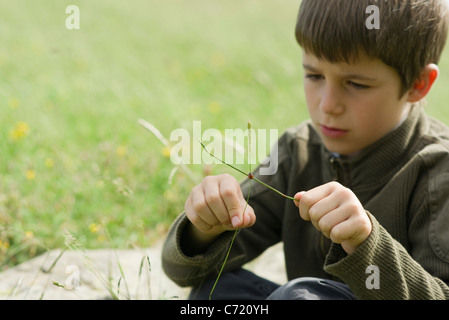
[(354, 76)]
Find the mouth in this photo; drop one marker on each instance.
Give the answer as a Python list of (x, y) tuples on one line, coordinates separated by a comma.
[(331, 132)]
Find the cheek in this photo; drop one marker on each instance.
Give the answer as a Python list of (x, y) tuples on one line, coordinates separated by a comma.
[(374, 121), (312, 98)]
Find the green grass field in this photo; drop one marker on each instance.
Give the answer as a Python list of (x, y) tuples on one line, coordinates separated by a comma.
[(72, 155)]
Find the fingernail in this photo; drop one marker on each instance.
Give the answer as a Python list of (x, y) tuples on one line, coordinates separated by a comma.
[(298, 196), (235, 221)]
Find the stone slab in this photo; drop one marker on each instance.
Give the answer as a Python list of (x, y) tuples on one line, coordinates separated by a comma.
[(53, 276)]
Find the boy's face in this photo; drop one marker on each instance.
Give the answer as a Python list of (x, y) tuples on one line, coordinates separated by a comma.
[(352, 105)]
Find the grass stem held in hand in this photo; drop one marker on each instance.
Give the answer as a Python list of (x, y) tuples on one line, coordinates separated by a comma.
[(249, 175)]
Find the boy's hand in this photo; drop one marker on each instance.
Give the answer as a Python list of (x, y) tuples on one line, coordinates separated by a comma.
[(337, 213), (216, 205)]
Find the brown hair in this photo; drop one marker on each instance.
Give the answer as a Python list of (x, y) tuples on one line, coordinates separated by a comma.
[(412, 33)]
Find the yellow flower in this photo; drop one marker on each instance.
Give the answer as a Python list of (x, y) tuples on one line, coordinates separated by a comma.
[(49, 163), (28, 234), (214, 107), (121, 151), (4, 245), (30, 174), (166, 151), (20, 130), (93, 227)]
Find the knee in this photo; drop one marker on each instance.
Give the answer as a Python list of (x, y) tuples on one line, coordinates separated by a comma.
[(309, 288)]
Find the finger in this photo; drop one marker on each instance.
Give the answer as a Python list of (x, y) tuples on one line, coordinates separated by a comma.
[(215, 202), (298, 197), (324, 213), (249, 217), (309, 198), (349, 237), (355, 229), (341, 232), (332, 219), (199, 207), (194, 218), (233, 198)]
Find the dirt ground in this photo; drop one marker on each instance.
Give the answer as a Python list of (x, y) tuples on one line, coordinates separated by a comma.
[(107, 274)]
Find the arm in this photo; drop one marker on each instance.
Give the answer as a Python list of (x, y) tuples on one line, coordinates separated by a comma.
[(362, 249), (400, 276), (418, 269), (187, 270)]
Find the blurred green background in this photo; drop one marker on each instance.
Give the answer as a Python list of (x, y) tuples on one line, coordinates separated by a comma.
[(72, 155)]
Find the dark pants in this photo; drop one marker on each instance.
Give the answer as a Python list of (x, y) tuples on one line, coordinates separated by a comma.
[(244, 285)]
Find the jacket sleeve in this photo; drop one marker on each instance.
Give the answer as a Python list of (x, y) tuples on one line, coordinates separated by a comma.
[(382, 269), (185, 270), (418, 269)]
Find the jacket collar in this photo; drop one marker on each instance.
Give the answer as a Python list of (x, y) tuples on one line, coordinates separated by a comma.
[(372, 167)]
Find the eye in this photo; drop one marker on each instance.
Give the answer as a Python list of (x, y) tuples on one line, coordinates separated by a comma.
[(358, 86), (314, 77)]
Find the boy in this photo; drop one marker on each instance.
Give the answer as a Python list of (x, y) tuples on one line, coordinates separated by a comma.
[(369, 171)]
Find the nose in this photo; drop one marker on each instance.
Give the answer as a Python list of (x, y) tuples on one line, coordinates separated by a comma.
[(330, 100)]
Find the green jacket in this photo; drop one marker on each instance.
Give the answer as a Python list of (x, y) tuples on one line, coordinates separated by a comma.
[(402, 180)]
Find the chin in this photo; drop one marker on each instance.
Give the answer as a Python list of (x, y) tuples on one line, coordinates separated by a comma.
[(342, 149)]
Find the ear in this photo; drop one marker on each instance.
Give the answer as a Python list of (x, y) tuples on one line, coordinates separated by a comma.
[(424, 83)]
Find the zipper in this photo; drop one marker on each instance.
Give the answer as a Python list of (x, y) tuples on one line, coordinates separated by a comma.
[(333, 160), (340, 171)]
